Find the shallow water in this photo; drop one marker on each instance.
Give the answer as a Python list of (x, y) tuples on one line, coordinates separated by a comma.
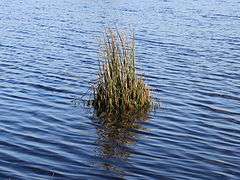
[(190, 55)]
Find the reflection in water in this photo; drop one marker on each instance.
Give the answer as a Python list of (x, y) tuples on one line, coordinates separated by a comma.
[(114, 138)]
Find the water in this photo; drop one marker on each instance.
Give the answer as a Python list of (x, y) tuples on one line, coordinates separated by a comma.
[(189, 52)]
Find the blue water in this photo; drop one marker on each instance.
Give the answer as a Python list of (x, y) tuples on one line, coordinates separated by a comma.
[(189, 52)]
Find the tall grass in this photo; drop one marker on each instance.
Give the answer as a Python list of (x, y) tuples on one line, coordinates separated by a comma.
[(119, 90)]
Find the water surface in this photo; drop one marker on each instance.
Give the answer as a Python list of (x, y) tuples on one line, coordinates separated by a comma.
[(189, 52)]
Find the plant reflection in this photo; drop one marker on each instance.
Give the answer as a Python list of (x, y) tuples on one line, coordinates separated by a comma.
[(115, 137)]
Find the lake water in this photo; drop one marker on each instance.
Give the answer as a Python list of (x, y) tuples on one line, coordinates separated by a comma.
[(189, 52)]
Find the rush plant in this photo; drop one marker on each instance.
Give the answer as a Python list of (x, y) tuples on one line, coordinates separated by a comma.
[(119, 89)]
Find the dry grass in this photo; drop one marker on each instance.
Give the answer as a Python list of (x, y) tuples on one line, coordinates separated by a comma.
[(119, 90)]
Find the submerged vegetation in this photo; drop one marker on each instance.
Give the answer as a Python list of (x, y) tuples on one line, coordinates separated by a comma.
[(119, 91)]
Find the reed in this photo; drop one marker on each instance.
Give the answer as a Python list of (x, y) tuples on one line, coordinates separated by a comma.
[(119, 91)]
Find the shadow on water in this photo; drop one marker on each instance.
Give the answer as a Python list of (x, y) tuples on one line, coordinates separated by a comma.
[(116, 137)]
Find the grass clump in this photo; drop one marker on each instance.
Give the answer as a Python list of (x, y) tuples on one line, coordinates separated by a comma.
[(119, 90)]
